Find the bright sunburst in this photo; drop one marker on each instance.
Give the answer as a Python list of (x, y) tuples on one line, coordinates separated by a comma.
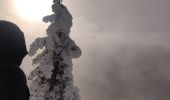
[(33, 10)]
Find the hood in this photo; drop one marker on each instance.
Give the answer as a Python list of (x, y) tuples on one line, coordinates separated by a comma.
[(12, 43)]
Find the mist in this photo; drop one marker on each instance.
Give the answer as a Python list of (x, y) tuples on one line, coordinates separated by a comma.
[(125, 46), (124, 67), (128, 16)]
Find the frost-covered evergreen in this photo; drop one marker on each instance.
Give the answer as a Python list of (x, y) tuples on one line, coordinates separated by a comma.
[(52, 78)]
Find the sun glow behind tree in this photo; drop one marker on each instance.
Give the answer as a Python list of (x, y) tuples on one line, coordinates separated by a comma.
[(33, 10)]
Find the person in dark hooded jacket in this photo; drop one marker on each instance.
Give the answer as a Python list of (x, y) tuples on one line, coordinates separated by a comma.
[(13, 84)]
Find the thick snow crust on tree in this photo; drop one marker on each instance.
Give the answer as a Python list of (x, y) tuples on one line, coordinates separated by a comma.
[(52, 77)]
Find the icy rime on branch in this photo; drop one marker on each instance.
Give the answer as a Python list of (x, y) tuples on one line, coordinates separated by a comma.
[(52, 78)]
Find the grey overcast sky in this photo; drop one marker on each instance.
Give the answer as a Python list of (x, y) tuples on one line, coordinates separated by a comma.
[(125, 44), (126, 15)]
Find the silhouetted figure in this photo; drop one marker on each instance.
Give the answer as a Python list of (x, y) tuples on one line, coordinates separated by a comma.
[(13, 85)]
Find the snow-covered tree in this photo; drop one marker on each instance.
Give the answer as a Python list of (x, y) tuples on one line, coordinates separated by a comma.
[(52, 77)]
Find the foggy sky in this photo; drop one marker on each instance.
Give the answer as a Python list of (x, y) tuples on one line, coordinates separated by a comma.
[(128, 56), (126, 15), (125, 45)]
